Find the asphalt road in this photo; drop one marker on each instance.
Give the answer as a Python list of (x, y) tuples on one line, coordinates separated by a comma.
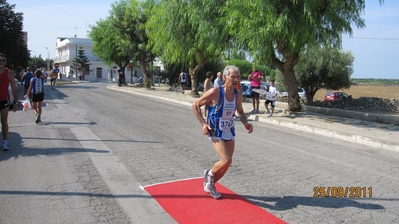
[(95, 147)]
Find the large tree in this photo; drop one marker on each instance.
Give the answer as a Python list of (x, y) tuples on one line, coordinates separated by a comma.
[(11, 36), (188, 33), (323, 67), (111, 37), (135, 21), (276, 31)]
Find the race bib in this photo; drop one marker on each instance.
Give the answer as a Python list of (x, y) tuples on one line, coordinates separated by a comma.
[(226, 123)]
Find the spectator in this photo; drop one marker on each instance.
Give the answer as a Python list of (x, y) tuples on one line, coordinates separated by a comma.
[(182, 81), (219, 80), (255, 78), (271, 98)]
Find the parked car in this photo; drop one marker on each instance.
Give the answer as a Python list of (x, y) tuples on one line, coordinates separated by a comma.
[(336, 96), (302, 94), (245, 89)]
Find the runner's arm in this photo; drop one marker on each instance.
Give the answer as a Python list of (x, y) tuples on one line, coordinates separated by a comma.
[(14, 89), (204, 99), (241, 113)]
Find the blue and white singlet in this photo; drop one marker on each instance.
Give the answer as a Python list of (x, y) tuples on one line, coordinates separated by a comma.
[(37, 85), (221, 118)]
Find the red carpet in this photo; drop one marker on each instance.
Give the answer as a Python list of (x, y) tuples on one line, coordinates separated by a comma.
[(186, 202)]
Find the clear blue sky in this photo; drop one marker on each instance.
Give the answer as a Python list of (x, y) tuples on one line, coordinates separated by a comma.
[(376, 47)]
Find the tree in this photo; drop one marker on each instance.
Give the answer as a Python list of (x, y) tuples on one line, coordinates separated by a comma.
[(81, 61), (11, 37), (111, 37), (135, 19), (277, 31), (323, 67), (187, 33)]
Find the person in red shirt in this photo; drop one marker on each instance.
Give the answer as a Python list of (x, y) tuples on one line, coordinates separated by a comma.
[(255, 78), (6, 78)]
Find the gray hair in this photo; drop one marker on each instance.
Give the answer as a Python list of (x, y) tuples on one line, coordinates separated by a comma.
[(226, 71)]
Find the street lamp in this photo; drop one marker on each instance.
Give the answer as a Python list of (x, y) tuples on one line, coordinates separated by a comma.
[(48, 59)]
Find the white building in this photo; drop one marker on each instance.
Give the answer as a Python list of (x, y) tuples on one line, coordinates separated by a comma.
[(67, 49)]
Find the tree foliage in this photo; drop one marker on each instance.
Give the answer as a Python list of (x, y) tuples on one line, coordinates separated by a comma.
[(188, 33), (110, 37), (323, 67), (277, 31), (81, 61), (11, 37), (135, 20)]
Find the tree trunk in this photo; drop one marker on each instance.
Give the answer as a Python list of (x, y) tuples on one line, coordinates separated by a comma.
[(146, 78), (287, 68), (194, 77)]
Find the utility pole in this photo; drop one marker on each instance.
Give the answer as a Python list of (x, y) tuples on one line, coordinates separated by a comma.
[(76, 57), (48, 60)]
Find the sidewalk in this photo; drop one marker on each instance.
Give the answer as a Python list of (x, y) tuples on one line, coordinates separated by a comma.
[(378, 135)]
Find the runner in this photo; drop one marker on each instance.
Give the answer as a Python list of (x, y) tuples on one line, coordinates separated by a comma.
[(53, 78), (6, 78), (222, 102), (36, 88)]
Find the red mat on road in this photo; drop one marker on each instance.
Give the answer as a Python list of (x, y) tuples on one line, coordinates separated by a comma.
[(186, 202)]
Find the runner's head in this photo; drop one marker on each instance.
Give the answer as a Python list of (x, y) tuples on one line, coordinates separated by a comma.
[(38, 73), (231, 75)]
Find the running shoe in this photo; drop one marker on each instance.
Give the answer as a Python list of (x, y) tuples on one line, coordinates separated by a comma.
[(252, 111), (211, 189), (206, 176), (270, 115), (37, 119), (267, 112), (5, 147)]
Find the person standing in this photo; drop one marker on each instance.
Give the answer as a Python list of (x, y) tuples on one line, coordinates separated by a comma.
[(219, 80), (6, 78), (223, 102), (271, 98), (36, 87), (26, 78), (182, 81), (255, 78), (207, 86)]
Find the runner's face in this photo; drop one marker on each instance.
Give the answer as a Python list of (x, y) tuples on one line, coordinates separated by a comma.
[(3, 62), (233, 78)]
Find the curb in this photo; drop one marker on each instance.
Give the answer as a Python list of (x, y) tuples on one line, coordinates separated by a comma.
[(305, 128), (379, 118), (328, 133)]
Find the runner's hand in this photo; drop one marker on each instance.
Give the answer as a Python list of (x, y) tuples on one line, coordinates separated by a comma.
[(205, 129), (249, 127)]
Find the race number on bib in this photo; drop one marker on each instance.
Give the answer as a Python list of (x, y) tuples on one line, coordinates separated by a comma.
[(226, 124)]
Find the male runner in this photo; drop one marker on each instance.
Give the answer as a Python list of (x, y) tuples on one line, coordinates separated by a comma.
[(6, 78), (223, 103)]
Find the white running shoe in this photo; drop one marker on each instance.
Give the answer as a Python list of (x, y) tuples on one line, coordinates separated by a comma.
[(211, 189)]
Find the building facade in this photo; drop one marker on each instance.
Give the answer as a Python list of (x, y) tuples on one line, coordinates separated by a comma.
[(67, 49)]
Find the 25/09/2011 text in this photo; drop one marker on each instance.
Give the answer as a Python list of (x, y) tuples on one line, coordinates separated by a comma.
[(342, 192)]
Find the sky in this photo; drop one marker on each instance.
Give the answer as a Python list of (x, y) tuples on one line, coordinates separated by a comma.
[(375, 47)]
